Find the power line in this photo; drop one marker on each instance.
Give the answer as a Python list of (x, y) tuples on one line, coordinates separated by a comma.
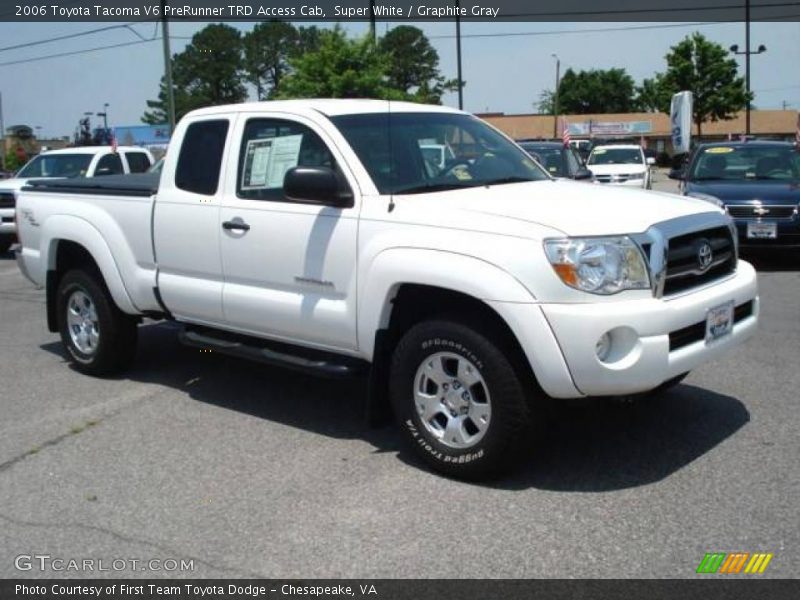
[(73, 53), (62, 37), (568, 31)]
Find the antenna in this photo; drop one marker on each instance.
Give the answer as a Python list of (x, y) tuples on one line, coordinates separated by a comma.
[(391, 148)]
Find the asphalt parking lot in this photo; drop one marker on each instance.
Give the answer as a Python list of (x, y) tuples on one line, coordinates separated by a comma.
[(253, 471)]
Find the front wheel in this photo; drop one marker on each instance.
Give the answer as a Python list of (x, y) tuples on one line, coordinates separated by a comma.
[(99, 338), (458, 400)]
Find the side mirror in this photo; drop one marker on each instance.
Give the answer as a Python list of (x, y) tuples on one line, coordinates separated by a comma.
[(316, 185), (651, 161), (676, 174), (583, 173)]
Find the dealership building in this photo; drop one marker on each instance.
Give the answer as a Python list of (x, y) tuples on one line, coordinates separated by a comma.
[(653, 128)]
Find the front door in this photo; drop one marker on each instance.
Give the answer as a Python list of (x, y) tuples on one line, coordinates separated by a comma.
[(289, 268)]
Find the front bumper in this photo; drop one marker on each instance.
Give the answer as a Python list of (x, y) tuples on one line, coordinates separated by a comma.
[(645, 356), (635, 183), (788, 233)]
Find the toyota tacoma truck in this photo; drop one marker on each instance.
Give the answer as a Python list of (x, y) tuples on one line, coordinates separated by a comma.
[(319, 235)]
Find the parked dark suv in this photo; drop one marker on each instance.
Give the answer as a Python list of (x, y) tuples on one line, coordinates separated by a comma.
[(758, 183), (559, 160)]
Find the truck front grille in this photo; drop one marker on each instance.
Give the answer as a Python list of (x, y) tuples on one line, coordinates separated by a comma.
[(757, 211), (689, 264), (7, 200)]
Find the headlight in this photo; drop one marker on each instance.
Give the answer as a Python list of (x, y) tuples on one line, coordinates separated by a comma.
[(599, 265), (708, 198), (636, 176)]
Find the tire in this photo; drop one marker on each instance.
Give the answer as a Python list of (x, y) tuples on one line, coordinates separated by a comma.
[(432, 366), (5, 245), (99, 338)]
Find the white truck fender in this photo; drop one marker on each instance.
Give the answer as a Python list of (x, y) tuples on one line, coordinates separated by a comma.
[(394, 267), (74, 229)]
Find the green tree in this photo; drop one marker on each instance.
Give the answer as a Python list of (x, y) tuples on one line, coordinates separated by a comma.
[(413, 65), (546, 103), (339, 68), (208, 72), (652, 95), (267, 49), (708, 71), (594, 91)]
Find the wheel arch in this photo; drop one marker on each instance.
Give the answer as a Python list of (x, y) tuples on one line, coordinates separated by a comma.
[(411, 293), (84, 248)]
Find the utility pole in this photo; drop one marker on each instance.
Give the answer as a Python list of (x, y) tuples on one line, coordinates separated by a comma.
[(555, 95), (372, 31), (168, 69), (747, 52), (458, 57)]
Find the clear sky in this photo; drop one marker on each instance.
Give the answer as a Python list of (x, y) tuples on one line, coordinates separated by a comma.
[(504, 73)]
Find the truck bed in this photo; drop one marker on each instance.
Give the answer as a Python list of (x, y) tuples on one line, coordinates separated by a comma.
[(135, 184)]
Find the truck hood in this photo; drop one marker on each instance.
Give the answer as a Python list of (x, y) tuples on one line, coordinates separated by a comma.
[(769, 192), (12, 185), (617, 169), (566, 206)]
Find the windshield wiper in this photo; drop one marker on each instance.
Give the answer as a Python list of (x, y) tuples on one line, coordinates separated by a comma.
[(433, 187), (502, 180), (708, 179)]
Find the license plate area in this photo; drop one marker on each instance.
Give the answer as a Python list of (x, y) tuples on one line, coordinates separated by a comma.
[(719, 322), (762, 231)]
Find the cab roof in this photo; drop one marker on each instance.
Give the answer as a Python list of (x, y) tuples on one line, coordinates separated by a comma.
[(91, 150), (330, 107)]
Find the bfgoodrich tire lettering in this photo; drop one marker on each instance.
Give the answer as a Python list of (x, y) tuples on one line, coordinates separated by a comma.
[(99, 338), (481, 450)]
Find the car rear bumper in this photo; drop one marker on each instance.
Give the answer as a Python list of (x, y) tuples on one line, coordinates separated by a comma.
[(653, 340)]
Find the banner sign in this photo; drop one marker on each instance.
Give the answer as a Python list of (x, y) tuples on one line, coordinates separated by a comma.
[(142, 135), (680, 118), (603, 128)]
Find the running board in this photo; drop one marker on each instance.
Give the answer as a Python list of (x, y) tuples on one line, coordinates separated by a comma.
[(306, 360)]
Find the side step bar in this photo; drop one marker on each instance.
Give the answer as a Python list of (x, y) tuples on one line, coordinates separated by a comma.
[(282, 355)]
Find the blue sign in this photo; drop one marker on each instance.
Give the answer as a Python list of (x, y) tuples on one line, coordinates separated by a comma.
[(142, 135)]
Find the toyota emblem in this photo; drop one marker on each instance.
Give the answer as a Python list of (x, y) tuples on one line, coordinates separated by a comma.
[(704, 255)]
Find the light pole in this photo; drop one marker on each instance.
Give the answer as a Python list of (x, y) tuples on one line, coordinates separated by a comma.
[(747, 52), (104, 114), (168, 69), (458, 58), (555, 95)]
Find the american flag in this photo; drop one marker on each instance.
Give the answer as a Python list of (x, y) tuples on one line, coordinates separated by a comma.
[(564, 131)]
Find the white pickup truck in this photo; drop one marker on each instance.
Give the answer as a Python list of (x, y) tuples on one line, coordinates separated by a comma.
[(83, 161), (315, 234)]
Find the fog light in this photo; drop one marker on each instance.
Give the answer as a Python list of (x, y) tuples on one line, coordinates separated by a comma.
[(603, 347)]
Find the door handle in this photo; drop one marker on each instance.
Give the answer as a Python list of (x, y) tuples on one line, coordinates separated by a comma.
[(235, 225)]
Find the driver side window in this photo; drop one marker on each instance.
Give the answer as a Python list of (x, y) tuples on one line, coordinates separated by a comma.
[(269, 149)]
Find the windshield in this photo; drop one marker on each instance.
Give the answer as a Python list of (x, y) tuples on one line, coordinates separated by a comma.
[(615, 156), (57, 165), (426, 152), (549, 157), (746, 162)]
